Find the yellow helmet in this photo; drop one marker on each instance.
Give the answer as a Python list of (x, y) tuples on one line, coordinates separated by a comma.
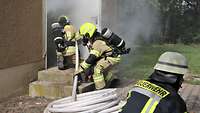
[(87, 28), (70, 31), (172, 62)]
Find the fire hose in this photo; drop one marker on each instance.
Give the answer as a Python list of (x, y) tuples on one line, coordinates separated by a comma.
[(100, 101)]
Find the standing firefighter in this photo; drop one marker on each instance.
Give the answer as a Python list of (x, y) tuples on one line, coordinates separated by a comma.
[(65, 36), (102, 54), (159, 94)]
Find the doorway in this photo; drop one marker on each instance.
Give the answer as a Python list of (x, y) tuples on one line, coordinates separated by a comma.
[(79, 11)]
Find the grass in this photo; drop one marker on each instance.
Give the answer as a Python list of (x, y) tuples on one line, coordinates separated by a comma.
[(140, 62)]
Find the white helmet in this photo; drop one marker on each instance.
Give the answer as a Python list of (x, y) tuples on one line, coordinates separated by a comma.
[(172, 62)]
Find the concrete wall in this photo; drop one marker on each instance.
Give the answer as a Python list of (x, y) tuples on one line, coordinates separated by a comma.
[(21, 44), (14, 81)]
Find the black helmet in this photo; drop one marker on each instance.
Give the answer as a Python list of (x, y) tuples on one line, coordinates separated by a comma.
[(64, 20)]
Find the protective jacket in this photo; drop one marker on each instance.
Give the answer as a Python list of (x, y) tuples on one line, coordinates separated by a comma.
[(66, 46), (149, 96), (100, 58), (70, 36)]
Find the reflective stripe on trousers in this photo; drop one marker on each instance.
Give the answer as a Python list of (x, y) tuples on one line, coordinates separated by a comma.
[(153, 101), (99, 79)]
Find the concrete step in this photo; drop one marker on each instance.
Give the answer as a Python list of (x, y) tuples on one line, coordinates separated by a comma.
[(55, 75), (55, 90), (48, 89)]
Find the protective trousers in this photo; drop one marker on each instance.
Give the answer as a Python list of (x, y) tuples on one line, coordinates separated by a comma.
[(102, 75), (66, 59)]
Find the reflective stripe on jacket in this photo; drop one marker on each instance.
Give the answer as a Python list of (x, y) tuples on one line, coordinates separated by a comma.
[(99, 48), (148, 97)]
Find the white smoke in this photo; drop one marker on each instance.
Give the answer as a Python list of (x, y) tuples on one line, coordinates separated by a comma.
[(79, 11), (130, 19), (135, 19)]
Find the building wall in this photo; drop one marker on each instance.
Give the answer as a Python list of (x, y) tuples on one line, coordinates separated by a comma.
[(15, 80), (21, 44)]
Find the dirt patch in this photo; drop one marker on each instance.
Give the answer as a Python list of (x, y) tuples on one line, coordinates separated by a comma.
[(24, 104)]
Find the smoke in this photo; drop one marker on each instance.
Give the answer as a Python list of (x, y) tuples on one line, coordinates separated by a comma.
[(135, 21), (79, 11)]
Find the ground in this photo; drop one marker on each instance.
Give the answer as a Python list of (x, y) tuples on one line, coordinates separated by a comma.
[(24, 104), (190, 93)]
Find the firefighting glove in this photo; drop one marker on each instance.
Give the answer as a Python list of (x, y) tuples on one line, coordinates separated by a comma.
[(60, 44), (79, 74), (80, 79)]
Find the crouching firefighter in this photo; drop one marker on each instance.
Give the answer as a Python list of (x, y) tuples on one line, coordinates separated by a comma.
[(158, 94), (65, 36), (104, 52)]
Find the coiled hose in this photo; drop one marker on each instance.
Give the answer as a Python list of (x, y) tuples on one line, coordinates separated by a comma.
[(100, 101)]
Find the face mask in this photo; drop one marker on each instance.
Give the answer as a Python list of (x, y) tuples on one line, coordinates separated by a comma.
[(168, 78), (85, 40)]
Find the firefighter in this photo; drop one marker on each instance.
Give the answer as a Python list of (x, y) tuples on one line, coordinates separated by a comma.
[(158, 94), (100, 58), (65, 43)]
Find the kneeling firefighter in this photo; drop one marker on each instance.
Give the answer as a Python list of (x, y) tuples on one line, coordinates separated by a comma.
[(159, 93), (65, 36), (105, 50)]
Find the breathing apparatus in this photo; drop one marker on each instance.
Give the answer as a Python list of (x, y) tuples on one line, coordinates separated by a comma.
[(115, 42)]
